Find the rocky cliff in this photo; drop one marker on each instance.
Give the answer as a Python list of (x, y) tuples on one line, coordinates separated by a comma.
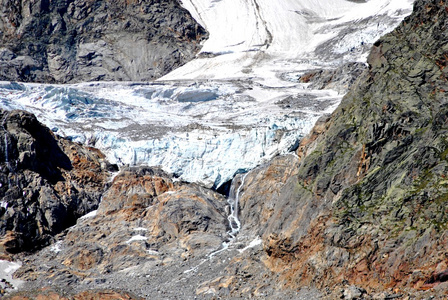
[(79, 40), (367, 204), (46, 182)]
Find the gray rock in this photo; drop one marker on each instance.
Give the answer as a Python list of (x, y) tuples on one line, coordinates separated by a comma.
[(73, 41), (46, 183), (353, 292)]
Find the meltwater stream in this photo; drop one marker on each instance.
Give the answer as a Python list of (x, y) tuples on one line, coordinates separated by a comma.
[(234, 222), (233, 200), (233, 218)]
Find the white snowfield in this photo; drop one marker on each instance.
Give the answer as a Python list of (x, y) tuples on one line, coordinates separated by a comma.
[(252, 37), (225, 111)]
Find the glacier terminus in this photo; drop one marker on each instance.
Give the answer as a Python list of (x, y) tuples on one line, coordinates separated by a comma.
[(233, 107)]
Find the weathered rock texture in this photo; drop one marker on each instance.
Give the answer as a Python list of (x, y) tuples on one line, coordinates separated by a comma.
[(150, 236), (90, 295), (82, 40), (46, 182), (367, 205)]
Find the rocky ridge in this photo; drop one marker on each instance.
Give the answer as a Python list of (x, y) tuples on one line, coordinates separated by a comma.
[(79, 40), (367, 204)]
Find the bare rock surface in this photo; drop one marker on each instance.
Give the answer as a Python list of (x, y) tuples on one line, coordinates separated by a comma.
[(78, 40), (157, 239), (46, 182), (365, 208)]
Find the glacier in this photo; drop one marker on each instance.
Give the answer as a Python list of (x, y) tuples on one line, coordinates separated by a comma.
[(222, 113)]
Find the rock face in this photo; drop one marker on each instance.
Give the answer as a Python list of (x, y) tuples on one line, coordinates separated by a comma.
[(367, 204), (80, 40), (46, 183), (146, 225)]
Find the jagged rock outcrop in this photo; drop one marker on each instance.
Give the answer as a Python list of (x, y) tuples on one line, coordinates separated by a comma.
[(46, 182), (367, 205), (80, 40), (145, 222)]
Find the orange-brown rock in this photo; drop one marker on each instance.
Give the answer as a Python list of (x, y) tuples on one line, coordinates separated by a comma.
[(144, 219), (48, 294)]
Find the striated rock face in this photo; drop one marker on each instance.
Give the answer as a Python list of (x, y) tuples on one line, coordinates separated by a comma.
[(367, 204), (46, 182), (80, 40)]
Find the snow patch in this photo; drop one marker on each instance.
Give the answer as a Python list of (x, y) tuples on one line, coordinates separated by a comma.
[(136, 238), (7, 269), (89, 215), (56, 248), (257, 241), (140, 229)]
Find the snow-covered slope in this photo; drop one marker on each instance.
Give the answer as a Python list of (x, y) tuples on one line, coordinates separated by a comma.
[(231, 108), (256, 37)]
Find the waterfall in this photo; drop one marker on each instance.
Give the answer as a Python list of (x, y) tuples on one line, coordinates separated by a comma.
[(6, 148), (234, 221), (234, 197)]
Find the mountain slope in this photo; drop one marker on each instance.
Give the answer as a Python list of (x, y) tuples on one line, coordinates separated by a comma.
[(368, 203), (78, 40)]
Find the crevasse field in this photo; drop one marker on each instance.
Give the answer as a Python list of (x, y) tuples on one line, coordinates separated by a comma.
[(236, 105)]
